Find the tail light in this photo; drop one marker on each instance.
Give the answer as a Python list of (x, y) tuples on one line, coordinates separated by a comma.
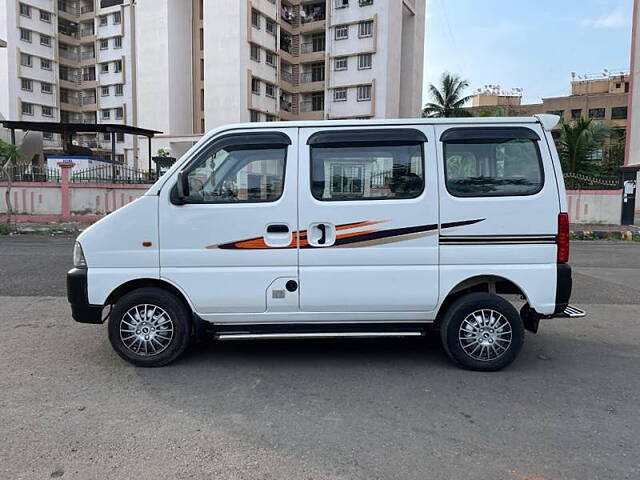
[(563, 238)]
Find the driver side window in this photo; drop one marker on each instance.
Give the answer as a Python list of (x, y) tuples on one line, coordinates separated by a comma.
[(238, 174)]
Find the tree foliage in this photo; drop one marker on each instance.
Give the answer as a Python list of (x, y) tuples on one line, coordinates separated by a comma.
[(579, 141), (448, 99)]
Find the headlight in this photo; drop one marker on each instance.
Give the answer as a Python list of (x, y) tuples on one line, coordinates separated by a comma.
[(78, 256)]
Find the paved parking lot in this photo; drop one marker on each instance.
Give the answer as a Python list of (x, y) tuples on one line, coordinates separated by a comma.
[(70, 408)]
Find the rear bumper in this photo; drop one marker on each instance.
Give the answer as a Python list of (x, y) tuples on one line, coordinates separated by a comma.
[(564, 285), (81, 310)]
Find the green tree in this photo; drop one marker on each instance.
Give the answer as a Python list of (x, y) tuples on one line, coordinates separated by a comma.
[(10, 155), (579, 140), (448, 99)]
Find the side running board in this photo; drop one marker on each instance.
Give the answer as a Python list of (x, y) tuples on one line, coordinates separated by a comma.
[(573, 312), (312, 335)]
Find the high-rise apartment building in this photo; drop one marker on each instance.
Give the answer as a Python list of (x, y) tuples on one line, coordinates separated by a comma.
[(69, 61), (209, 63)]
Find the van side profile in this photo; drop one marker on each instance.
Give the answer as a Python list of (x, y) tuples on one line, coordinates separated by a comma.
[(333, 229)]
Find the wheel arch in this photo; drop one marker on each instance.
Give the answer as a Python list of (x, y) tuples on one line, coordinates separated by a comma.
[(491, 283), (138, 283)]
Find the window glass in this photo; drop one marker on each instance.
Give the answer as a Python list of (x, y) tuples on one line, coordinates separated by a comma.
[(481, 168), (367, 173), (232, 175)]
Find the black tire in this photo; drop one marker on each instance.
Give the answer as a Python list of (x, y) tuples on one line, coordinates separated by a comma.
[(180, 322), (495, 355)]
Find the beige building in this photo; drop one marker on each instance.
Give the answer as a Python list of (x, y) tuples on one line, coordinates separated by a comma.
[(214, 62), (602, 98)]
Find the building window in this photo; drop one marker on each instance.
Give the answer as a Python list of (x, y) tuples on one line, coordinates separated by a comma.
[(255, 86), (317, 102), (342, 3), (254, 116), (269, 118), (576, 113), (119, 113), (45, 16), (104, 44), (269, 90), (119, 90), (27, 108), (106, 114), (25, 10), (201, 39), (120, 137), (341, 63), (271, 26), (364, 93), (365, 29), (103, 21), (47, 111), (104, 91), (45, 40), (597, 112), (202, 99), (25, 35), (104, 68), (619, 113), (117, 42), (26, 84), (366, 3), (255, 19), (47, 136), (364, 61), (342, 32), (270, 58), (255, 52), (25, 60), (117, 18), (106, 137), (45, 64), (46, 88), (340, 95), (117, 66)]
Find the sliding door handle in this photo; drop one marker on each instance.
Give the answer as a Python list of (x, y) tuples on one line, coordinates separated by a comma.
[(278, 228)]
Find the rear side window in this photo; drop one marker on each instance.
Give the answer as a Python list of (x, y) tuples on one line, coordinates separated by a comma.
[(483, 167), (367, 172)]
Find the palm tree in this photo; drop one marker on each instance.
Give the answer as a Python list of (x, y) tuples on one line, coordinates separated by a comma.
[(448, 100), (578, 141)]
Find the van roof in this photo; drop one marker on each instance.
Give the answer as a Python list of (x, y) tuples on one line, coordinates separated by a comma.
[(384, 121)]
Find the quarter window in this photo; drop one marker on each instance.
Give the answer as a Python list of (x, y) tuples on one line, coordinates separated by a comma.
[(483, 168), (367, 172), (238, 174)]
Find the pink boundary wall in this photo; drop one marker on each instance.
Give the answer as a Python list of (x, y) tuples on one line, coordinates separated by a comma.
[(595, 206), (49, 202)]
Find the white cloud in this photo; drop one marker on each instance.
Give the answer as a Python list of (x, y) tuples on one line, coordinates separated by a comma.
[(614, 19)]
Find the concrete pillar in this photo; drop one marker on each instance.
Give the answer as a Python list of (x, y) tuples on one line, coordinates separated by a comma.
[(65, 194)]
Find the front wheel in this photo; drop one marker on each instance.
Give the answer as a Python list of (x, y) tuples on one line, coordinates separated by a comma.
[(149, 327), (482, 331)]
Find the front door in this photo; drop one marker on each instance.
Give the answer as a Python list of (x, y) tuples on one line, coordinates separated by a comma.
[(368, 215), (232, 246)]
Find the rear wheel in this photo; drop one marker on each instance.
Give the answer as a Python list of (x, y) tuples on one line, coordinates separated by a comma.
[(149, 327), (482, 331)]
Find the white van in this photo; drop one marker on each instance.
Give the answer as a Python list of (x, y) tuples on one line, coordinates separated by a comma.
[(329, 229)]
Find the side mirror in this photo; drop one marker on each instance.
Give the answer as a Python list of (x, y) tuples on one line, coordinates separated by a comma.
[(183, 185)]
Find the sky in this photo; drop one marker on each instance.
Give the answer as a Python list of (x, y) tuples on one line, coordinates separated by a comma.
[(528, 44)]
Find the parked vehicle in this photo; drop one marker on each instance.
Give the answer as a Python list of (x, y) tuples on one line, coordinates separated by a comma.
[(381, 228)]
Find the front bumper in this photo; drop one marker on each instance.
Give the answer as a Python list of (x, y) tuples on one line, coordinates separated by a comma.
[(81, 310)]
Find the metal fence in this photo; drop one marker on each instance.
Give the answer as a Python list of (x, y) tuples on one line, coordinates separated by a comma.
[(29, 173), (112, 174), (576, 181)]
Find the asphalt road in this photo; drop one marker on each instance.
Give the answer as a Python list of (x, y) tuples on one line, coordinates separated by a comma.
[(70, 408)]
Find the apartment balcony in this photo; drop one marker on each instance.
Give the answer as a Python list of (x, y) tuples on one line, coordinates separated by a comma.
[(312, 51), (312, 17), (70, 100), (87, 32), (87, 100), (287, 77), (70, 55), (311, 109), (71, 8)]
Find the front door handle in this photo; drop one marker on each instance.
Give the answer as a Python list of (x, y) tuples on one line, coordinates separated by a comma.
[(278, 228)]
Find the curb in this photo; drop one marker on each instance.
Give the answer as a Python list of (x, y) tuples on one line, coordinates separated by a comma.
[(623, 235)]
